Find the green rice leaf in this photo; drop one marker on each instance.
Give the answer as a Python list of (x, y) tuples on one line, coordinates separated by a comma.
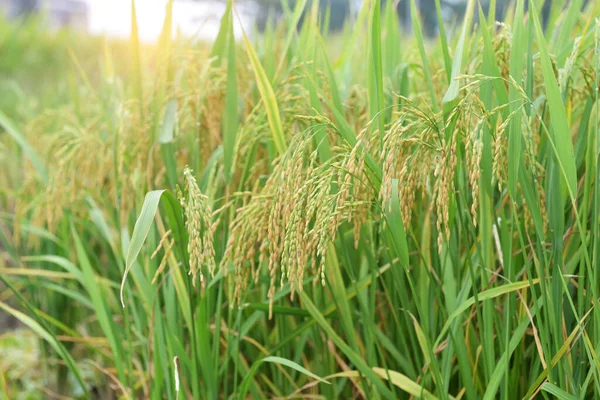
[(137, 76), (230, 118), (353, 356), (42, 332), (268, 97), (277, 360), (140, 232), (514, 131), (558, 116), (485, 295), (167, 129), (395, 225), (557, 392), (451, 97), (375, 72), (11, 128), (405, 383)]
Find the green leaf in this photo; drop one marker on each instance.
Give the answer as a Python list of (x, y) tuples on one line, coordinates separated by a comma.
[(140, 232), (418, 32), (485, 295), (514, 129), (18, 137), (168, 126), (42, 332), (375, 78), (134, 42), (558, 116), (352, 355), (293, 23), (427, 351), (277, 360), (268, 97), (396, 232), (230, 119), (557, 392), (451, 97), (404, 383), (98, 298), (500, 369), (144, 222)]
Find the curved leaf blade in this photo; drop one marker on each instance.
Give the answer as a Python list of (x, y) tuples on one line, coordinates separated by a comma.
[(140, 232)]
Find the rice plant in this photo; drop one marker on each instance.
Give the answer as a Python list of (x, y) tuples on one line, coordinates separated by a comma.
[(306, 214)]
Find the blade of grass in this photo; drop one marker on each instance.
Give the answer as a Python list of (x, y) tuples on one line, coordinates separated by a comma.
[(277, 360), (11, 128), (354, 357), (230, 121), (558, 116), (375, 72), (450, 99), (38, 329), (267, 95), (140, 232), (137, 77)]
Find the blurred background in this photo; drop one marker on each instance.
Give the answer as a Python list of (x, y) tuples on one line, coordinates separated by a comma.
[(200, 18)]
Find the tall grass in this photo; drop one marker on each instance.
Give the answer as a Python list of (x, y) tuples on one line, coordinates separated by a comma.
[(274, 217)]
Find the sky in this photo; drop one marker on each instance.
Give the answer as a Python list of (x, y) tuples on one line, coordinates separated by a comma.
[(113, 17)]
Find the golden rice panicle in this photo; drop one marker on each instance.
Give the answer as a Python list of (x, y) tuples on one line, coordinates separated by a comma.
[(289, 223), (293, 100), (286, 219), (565, 73), (357, 107), (259, 228), (198, 216), (444, 188), (473, 148), (81, 163), (253, 130), (542, 204), (353, 198), (408, 157), (168, 248), (500, 161), (246, 232), (502, 46), (393, 158), (204, 99)]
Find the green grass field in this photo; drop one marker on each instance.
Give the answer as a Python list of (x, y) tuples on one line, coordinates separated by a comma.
[(366, 214)]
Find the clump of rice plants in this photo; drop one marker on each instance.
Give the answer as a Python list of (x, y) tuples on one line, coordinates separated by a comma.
[(276, 218)]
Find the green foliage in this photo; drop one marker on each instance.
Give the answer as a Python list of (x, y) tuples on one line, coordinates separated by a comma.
[(285, 216)]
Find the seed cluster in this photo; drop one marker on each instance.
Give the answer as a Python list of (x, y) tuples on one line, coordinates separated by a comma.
[(474, 147), (200, 228), (443, 188), (408, 156), (284, 211), (288, 225)]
